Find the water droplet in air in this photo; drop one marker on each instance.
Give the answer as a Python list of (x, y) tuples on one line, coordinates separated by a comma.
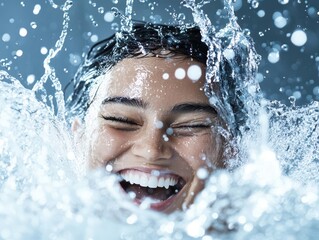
[(100, 10), (36, 9), (261, 13), (280, 21), (115, 26), (109, 17), (202, 173), (255, 4), (273, 56), (6, 37), (283, 2), (44, 50), (298, 38), (23, 32), (33, 25), (19, 53), (285, 47), (30, 79)]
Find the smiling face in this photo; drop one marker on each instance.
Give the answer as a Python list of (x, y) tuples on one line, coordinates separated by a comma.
[(152, 124)]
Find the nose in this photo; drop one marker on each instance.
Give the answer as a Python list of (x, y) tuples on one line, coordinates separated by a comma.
[(153, 146)]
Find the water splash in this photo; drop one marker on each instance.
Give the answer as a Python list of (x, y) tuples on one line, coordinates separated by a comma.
[(43, 182)]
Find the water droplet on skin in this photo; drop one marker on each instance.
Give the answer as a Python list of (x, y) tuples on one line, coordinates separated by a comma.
[(165, 76), (194, 72), (169, 131), (180, 73), (159, 124)]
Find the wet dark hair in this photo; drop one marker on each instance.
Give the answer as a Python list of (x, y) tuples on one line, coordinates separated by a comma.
[(147, 39)]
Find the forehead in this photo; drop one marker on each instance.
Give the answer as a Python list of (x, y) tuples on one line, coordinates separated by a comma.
[(149, 78)]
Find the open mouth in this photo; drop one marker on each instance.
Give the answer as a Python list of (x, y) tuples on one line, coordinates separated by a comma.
[(157, 187)]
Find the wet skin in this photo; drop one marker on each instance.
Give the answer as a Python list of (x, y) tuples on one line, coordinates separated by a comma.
[(143, 124)]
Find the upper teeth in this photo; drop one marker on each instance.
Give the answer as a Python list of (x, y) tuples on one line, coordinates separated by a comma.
[(148, 180)]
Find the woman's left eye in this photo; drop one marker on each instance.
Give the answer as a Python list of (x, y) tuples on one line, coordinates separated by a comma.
[(188, 130)]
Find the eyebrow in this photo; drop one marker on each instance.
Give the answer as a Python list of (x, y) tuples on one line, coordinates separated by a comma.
[(193, 107), (133, 102), (179, 108)]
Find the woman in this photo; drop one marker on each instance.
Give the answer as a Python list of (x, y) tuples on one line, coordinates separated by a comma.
[(144, 114)]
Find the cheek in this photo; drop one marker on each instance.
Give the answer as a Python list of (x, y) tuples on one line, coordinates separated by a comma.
[(105, 145), (199, 151)]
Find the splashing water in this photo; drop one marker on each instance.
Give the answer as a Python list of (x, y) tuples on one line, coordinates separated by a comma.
[(270, 193)]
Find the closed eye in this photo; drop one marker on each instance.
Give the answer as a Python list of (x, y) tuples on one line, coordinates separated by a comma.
[(119, 119), (121, 123), (190, 129)]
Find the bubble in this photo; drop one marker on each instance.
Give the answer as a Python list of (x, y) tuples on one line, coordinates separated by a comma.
[(248, 227), (255, 4), (6, 37), (202, 173), (109, 17), (36, 9), (298, 38), (44, 50), (180, 73), (261, 34), (115, 1), (194, 72), (273, 57), (280, 22), (19, 53), (285, 47), (229, 54), (30, 79), (165, 76), (261, 13), (33, 25), (100, 10), (74, 59), (11, 20), (23, 32), (94, 38), (283, 2)]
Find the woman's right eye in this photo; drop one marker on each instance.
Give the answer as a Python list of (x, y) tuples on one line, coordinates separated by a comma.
[(121, 123)]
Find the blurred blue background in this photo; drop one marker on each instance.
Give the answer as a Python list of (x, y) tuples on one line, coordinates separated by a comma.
[(289, 65)]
